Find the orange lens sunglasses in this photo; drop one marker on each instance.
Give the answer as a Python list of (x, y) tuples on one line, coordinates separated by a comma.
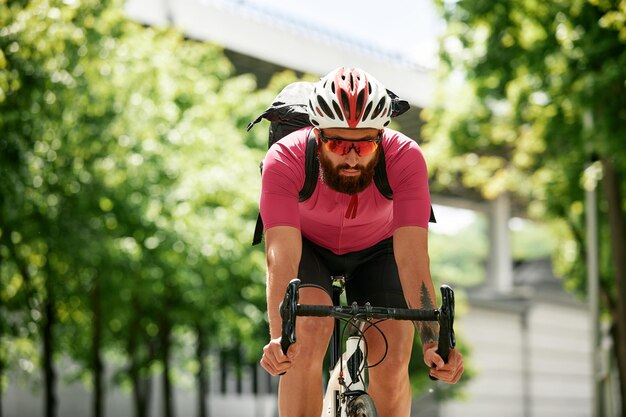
[(342, 147)]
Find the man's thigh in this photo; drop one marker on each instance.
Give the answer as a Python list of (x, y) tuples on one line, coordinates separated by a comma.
[(376, 280), (313, 270)]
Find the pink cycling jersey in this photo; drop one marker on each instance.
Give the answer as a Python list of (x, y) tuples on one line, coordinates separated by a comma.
[(325, 218)]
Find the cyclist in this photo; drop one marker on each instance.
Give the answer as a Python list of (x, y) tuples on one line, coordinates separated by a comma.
[(347, 227)]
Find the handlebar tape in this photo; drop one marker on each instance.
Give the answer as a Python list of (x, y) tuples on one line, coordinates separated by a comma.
[(288, 315)]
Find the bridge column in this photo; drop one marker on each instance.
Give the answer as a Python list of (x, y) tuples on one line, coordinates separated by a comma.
[(500, 261)]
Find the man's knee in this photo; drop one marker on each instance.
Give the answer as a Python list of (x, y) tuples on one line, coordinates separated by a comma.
[(314, 333), (393, 368)]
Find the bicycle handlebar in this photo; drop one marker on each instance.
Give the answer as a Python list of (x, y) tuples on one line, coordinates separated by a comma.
[(367, 311), (290, 309)]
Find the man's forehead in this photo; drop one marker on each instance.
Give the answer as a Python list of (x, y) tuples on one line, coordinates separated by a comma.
[(350, 134)]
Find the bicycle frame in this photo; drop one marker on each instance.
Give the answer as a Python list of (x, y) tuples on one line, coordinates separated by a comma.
[(346, 373), (346, 369)]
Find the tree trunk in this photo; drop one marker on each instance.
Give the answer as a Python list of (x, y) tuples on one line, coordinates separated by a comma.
[(50, 400), (23, 269), (140, 387), (2, 358), (612, 188), (164, 336), (97, 366), (201, 376), (139, 397)]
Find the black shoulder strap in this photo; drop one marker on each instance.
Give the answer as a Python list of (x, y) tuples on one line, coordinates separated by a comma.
[(311, 174), (382, 182), (258, 230), (380, 175), (311, 168)]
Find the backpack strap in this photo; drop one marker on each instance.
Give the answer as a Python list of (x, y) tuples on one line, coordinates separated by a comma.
[(311, 174), (258, 230), (380, 175), (432, 218), (311, 168), (382, 182)]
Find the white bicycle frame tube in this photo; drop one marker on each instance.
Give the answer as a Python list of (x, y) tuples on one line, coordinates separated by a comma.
[(334, 389)]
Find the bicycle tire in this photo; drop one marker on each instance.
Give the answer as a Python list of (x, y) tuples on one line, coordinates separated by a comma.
[(362, 406)]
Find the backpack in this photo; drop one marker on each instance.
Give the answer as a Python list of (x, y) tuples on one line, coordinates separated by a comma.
[(289, 113)]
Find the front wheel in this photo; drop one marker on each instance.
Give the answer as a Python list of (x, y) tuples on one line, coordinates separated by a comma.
[(362, 406)]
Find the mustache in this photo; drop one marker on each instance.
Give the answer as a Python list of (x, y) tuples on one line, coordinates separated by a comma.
[(346, 166)]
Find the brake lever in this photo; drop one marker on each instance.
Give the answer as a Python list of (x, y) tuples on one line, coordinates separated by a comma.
[(288, 315), (447, 340)]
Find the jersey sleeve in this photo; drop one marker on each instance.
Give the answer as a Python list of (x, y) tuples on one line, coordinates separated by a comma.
[(282, 179), (408, 178)]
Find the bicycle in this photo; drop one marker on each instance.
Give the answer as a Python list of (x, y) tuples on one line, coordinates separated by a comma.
[(346, 391)]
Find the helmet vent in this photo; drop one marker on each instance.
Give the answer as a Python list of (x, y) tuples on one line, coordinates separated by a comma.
[(325, 107), (368, 108), (359, 103), (337, 110), (379, 108), (345, 104)]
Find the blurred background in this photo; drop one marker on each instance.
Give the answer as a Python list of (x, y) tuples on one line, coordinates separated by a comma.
[(129, 188)]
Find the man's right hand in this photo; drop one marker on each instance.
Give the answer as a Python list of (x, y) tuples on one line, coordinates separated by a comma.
[(275, 361)]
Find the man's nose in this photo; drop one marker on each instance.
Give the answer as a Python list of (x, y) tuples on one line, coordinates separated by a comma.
[(352, 158)]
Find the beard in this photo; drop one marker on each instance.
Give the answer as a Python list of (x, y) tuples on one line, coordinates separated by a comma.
[(331, 175)]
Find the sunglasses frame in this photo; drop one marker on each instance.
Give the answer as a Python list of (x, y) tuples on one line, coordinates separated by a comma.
[(376, 140)]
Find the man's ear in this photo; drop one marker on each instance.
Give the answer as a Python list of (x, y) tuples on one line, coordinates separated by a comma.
[(316, 132)]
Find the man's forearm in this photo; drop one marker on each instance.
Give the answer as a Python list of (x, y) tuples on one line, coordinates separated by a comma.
[(275, 293), (424, 298), (283, 251), (411, 253), (428, 330)]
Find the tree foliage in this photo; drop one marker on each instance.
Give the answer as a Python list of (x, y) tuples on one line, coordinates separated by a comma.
[(127, 193), (534, 106)]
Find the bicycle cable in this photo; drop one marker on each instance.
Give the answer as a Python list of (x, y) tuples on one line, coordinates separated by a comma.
[(355, 322), (374, 324)]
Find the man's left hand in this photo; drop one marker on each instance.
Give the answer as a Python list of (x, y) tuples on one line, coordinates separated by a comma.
[(448, 372)]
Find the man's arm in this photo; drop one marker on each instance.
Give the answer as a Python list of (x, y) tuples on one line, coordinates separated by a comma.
[(283, 247), (410, 246)]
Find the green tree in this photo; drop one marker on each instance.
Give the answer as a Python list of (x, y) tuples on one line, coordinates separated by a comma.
[(124, 181), (534, 107)]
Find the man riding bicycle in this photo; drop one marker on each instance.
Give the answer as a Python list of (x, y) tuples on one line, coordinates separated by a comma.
[(347, 227)]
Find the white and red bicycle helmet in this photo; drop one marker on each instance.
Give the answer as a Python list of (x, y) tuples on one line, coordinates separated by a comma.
[(349, 98)]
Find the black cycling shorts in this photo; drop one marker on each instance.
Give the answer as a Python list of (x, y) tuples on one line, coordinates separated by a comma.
[(371, 274)]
